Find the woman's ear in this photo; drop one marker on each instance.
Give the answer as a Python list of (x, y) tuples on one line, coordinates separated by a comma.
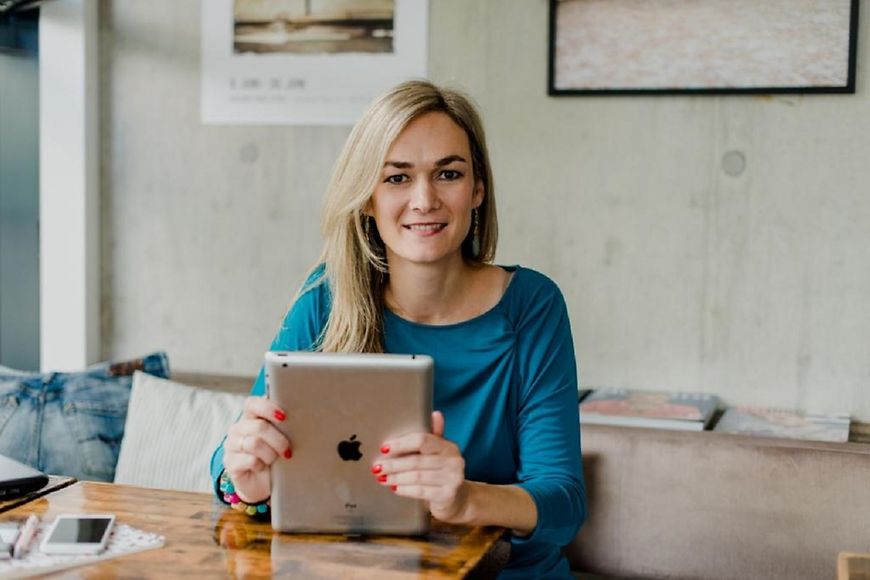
[(479, 193)]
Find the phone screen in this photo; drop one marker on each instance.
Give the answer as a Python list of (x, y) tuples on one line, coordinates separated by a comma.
[(80, 530)]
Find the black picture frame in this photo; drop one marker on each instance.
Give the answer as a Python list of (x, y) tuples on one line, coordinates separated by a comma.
[(559, 87)]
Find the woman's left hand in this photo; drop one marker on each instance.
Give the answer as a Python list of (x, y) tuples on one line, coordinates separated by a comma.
[(426, 466)]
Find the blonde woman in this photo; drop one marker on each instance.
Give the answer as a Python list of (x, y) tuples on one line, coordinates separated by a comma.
[(410, 232)]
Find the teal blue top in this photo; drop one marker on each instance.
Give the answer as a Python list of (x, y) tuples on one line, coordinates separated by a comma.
[(506, 382)]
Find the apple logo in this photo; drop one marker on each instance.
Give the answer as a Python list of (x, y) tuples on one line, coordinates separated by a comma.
[(349, 450)]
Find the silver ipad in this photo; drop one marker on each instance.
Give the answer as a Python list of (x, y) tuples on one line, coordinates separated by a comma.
[(340, 409)]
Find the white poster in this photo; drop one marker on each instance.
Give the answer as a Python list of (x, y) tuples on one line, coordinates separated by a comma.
[(306, 62)]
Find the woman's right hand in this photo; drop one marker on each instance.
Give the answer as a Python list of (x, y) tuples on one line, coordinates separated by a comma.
[(253, 444)]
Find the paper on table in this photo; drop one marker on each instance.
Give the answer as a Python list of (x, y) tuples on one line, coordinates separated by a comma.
[(124, 540)]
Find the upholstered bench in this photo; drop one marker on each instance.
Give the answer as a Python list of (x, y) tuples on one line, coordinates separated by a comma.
[(668, 504)]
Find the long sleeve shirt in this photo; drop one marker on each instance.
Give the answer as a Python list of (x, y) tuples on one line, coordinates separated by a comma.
[(506, 382)]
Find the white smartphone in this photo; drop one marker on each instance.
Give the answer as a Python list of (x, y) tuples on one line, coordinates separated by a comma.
[(78, 534)]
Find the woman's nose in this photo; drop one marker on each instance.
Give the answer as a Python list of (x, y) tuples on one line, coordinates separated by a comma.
[(424, 196)]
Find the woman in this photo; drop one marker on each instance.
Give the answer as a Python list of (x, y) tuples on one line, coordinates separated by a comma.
[(410, 231)]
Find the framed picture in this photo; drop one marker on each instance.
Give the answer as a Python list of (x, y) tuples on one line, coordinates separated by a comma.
[(306, 62), (628, 47)]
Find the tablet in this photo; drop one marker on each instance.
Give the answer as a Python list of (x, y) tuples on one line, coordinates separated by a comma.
[(340, 409)]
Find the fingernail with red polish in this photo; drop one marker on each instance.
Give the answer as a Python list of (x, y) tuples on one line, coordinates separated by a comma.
[(280, 415), (394, 487), (382, 478), (288, 453), (376, 468), (385, 449)]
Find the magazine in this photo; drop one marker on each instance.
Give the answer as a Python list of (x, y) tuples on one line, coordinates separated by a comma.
[(657, 409), (768, 422)]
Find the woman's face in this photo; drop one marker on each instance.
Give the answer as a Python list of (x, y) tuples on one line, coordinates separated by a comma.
[(422, 204)]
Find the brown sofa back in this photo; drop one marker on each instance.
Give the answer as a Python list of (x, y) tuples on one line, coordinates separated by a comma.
[(667, 504)]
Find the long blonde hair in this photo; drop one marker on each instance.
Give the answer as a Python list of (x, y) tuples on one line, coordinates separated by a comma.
[(355, 263)]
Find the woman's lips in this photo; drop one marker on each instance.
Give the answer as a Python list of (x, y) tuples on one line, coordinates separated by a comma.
[(425, 229)]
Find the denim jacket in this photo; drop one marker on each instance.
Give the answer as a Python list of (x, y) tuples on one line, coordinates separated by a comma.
[(70, 423)]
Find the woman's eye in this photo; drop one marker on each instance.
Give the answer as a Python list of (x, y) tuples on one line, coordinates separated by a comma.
[(396, 179), (450, 174)]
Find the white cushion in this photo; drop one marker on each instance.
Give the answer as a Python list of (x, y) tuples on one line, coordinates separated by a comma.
[(171, 432)]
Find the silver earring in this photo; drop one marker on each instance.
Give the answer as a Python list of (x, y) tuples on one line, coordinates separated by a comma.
[(475, 236)]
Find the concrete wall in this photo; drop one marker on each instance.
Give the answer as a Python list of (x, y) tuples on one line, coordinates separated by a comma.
[(677, 274)]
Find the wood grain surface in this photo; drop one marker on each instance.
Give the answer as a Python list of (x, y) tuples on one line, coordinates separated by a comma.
[(204, 538)]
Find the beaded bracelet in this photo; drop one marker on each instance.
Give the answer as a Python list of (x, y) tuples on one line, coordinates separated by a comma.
[(231, 497)]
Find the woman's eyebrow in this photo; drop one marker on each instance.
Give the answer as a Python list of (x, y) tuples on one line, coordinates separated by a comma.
[(450, 159), (440, 163)]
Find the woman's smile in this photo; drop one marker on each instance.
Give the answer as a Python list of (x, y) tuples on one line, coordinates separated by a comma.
[(426, 228)]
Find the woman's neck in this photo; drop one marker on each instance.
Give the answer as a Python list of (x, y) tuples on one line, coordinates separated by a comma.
[(429, 293)]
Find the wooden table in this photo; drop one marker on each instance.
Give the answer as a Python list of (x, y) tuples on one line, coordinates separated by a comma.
[(206, 539)]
